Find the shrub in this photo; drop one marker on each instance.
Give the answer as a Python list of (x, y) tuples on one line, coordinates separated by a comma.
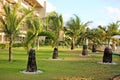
[(17, 45), (2, 46)]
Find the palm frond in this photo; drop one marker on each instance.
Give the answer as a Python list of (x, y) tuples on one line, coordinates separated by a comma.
[(28, 13), (51, 35), (29, 40)]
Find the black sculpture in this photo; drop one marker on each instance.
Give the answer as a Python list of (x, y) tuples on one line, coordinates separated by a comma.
[(84, 51), (55, 53), (31, 65), (107, 57)]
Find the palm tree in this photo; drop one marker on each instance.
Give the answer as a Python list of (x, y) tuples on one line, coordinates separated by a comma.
[(75, 28), (96, 37), (34, 25), (84, 36), (56, 25), (111, 30), (11, 23)]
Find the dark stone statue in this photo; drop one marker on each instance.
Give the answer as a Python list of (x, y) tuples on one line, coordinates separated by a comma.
[(107, 57), (31, 65), (84, 51), (55, 53)]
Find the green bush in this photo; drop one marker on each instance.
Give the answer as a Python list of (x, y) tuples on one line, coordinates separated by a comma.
[(2, 46), (47, 41), (17, 45)]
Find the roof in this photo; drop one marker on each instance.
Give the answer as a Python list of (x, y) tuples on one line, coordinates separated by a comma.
[(34, 3), (11, 1), (116, 36)]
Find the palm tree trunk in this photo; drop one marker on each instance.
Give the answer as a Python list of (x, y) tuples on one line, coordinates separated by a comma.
[(10, 49), (109, 42), (31, 65), (84, 51), (93, 48), (55, 53), (38, 43), (72, 45)]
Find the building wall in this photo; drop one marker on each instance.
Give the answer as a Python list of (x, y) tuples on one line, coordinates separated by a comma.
[(39, 11)]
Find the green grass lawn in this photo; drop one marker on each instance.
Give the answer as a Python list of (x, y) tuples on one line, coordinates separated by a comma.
[(72, 66)]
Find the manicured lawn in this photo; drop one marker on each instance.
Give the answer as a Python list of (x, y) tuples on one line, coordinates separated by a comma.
[(72, 65)]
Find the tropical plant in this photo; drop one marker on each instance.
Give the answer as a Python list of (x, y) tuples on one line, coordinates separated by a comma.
[(35, 26), (111, 30), (55, 22), (84, 36), (95, 37), (75, 28), (12, 21)]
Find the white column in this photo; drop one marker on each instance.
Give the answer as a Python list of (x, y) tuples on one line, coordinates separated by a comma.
[(2, 37)]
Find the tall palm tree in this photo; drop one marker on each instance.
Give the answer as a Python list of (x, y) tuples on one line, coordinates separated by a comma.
[(11, 23), (56, 25)]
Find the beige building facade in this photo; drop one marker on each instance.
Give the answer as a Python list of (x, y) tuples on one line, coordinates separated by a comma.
[(40, 11)]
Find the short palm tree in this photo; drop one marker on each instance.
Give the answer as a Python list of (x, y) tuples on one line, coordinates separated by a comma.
[(56, 25), (84, 36), (34, 25), (75, 28), (11, 23), (111, 30), (95, 37)]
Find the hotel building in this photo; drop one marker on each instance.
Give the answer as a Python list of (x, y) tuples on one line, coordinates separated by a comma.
[(40, 11)]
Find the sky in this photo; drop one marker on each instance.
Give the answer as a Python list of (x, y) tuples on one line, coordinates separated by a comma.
[(100, 12)]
